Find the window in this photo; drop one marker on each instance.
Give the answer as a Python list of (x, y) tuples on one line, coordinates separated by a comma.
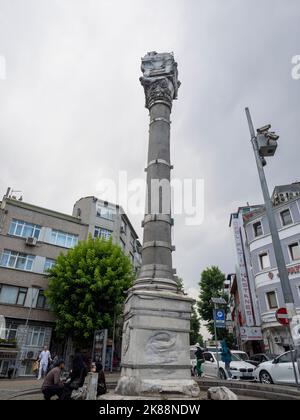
[(132, 257), (257, 227), (105, 212), (286, 217), (208, 357), (24, 229), (12, 295), (132, 241), (272, 300), (36, 337), (285, 358), (294, 251), (102, 233), (41, 301), (17, 260), (264, 260), (123, 226), (11, 331), (49, 263), (66, 240)]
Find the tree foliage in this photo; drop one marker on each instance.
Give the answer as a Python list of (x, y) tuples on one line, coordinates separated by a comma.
[(195, 335), (211, 285), (86, 287)]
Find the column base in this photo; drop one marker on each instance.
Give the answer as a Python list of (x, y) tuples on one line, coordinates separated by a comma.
[(132, 386), (156, 344)]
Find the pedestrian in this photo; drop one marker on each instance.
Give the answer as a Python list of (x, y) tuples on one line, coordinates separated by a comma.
[(200, 359), (226, 357), (44, 359), (52, 384), (101, 387), (77, 375)]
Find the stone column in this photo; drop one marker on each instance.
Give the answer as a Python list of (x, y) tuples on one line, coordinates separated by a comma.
[(155, 347), (160, 82)]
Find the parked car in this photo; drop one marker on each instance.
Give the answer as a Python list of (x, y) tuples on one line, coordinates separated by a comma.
[(277, 371), (239, 369), (241, 355), (259, 358)]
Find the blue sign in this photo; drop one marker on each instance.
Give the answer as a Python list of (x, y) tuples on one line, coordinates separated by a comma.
[(219, 318)]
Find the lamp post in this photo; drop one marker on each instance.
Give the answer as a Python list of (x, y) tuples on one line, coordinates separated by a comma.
[(217, 301), (25, 331)]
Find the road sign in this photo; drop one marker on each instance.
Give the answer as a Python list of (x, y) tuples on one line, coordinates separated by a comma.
[(219, 317), (282, 316)]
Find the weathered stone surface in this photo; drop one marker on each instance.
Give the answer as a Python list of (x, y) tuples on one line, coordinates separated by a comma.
[(133, 386), (220, 393)]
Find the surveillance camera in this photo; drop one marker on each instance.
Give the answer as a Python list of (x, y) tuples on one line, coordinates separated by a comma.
[(264, 129), (272, 136)]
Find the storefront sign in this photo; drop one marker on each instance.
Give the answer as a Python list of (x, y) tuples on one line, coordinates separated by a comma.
[(251, 333), (244, 289)]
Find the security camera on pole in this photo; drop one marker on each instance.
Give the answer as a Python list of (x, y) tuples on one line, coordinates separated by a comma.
[(264, 145)]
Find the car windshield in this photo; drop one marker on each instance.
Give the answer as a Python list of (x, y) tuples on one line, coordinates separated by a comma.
[(234, 358), (242, 356)]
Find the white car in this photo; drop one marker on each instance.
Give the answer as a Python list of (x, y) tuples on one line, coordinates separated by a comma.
[(277, 371), (238, 368)]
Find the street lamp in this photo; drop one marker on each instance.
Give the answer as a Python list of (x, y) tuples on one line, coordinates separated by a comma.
[(25, 333), (217, 301)]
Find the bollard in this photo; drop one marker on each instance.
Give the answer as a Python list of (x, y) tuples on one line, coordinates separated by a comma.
[(92, 382)]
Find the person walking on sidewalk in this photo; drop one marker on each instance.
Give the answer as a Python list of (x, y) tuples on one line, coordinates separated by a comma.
[(200, 360), (44, 359), (226, 357), (52, 384)]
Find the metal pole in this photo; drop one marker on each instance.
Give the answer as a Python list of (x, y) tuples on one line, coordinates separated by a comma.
[(294, 362), (24, 337), (216, 342), (283, 275)]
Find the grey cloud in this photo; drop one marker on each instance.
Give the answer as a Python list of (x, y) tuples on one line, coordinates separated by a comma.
[(72, 109)]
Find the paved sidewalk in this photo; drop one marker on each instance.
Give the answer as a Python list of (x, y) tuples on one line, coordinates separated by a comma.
[(11, 387)]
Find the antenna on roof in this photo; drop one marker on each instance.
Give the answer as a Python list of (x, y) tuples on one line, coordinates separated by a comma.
[(14, 197)]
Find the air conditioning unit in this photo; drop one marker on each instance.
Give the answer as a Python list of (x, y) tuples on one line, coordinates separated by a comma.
[(277, 339), (31, 241)]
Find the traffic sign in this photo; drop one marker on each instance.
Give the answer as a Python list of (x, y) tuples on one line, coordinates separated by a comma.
[(219, 317), (282, 316)]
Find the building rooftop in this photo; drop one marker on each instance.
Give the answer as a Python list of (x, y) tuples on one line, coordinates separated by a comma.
[(42, 210)]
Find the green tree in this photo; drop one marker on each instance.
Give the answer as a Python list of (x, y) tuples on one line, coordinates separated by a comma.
[(86, 287), (212, 285), (195, 336)]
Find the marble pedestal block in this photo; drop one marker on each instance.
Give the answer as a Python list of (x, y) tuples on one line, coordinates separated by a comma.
[(155, 347)]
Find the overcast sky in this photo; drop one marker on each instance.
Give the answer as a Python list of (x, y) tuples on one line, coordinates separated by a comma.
[(72, 108)]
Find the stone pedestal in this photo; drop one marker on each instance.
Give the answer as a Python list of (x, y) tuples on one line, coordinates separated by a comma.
[(155, 353)]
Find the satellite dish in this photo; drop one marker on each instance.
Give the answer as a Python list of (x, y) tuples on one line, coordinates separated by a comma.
[(2, 327)]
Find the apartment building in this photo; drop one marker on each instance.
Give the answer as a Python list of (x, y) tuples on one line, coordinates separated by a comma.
[(257, 280), (109, 220), (31, 238)]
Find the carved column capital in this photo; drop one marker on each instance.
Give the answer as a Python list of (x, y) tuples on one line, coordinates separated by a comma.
[(160, 78)]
